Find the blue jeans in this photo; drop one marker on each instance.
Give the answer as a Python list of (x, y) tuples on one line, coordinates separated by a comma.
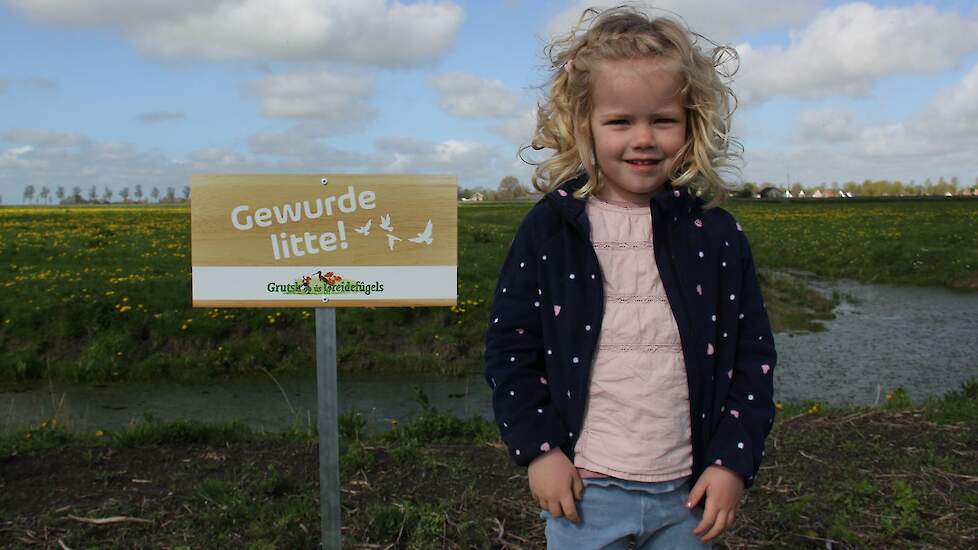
[(615, 513)]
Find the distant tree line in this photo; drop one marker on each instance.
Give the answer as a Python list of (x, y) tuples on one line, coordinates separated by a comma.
[(509, 189), (75, 195), (869, 188)]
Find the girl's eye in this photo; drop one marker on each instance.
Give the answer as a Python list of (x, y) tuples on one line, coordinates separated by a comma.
[(618, 121), (666, 121)]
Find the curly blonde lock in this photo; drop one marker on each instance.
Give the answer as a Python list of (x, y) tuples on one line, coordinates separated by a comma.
[(623, 33)]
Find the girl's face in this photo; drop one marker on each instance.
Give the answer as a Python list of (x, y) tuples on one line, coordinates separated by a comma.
[(638, 122)]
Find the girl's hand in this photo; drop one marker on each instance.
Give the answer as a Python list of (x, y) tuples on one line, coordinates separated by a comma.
[(555, 483), (724, 489)]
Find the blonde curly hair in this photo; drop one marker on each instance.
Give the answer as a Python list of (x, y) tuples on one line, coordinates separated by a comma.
[(621, 33)]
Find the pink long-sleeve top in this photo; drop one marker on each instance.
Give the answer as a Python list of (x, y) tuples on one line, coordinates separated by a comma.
[(636, 425)]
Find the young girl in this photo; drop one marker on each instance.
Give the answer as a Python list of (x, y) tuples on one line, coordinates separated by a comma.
[(628, 350)]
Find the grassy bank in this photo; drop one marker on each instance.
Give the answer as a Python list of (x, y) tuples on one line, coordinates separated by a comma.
[(103, 293), (924, 243), (899, 475)]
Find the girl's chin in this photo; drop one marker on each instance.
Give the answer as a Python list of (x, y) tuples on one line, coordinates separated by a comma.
[(633, 196), (634, 189)]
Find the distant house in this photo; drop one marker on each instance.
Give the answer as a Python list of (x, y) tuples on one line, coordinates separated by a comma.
[(817, 194), (771, 193), (478, 197)]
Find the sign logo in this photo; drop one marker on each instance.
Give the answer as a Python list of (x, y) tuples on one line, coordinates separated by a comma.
[(325, 283)]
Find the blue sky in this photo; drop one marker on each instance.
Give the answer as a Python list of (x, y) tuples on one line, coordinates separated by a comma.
[(113, 93)]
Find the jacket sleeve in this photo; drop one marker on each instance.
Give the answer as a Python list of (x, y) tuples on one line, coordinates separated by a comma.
[(748, 410), (514, 356)]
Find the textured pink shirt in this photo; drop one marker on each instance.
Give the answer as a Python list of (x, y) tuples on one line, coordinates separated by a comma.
[(636, 424)]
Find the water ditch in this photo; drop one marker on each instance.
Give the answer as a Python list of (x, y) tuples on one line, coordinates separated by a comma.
[(924, 340)]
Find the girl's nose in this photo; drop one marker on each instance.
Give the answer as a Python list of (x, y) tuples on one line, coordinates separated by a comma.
[(644, 137)]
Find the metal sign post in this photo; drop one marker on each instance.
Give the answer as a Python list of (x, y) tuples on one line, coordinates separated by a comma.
[(329, 452), (288, 240)]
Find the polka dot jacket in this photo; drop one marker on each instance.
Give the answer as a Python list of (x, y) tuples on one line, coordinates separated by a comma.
[(546, 317)]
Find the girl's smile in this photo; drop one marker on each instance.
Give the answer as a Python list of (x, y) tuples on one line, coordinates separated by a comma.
[(639, 125)]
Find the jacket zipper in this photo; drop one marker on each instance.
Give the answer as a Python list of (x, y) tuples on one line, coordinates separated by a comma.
[(599, 307), (682, 318)]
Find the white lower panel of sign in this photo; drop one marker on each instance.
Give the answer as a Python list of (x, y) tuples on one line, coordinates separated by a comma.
[(340, 283)]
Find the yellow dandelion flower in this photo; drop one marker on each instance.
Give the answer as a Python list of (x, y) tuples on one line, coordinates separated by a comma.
[(183, 327), (99, 433)]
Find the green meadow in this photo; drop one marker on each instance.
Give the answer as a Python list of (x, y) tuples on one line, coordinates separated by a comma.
[(104, 293), (101, 294)]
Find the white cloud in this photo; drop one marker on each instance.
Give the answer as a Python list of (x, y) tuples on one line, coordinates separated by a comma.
[(469, 95), (473, 162), (15, 157), (518, 130), (953, 113), (826, 125), (42, 157), (302, 145), (371, 32), (940, 140), (845, 50), (160, 116), (945, 128), (35, 83), (338, 101), (43, 139), (718, 21), (41, 83)]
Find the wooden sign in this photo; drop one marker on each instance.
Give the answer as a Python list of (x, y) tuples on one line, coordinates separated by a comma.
[(323, 240)]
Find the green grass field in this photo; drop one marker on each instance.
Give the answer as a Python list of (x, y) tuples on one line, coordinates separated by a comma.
[(103, 293)]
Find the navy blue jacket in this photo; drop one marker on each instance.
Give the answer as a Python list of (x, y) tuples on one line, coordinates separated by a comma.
[(546, 318)]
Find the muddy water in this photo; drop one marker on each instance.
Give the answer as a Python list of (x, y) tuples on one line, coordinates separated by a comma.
[(922, 339)]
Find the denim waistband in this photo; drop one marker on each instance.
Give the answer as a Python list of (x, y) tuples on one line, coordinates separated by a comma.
[(648, 487)]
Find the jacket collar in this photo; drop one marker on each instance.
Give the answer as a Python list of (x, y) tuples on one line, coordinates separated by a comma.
[(675, 203)]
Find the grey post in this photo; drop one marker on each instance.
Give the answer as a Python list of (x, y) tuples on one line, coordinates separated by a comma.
[(329, 456)]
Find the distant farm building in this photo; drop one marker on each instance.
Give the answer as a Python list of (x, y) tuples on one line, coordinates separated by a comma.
[(771, 193)]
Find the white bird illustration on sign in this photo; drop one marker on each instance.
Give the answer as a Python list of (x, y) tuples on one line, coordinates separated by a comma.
[(390, 240), (385, 223), (424, 237), (365, 230)]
